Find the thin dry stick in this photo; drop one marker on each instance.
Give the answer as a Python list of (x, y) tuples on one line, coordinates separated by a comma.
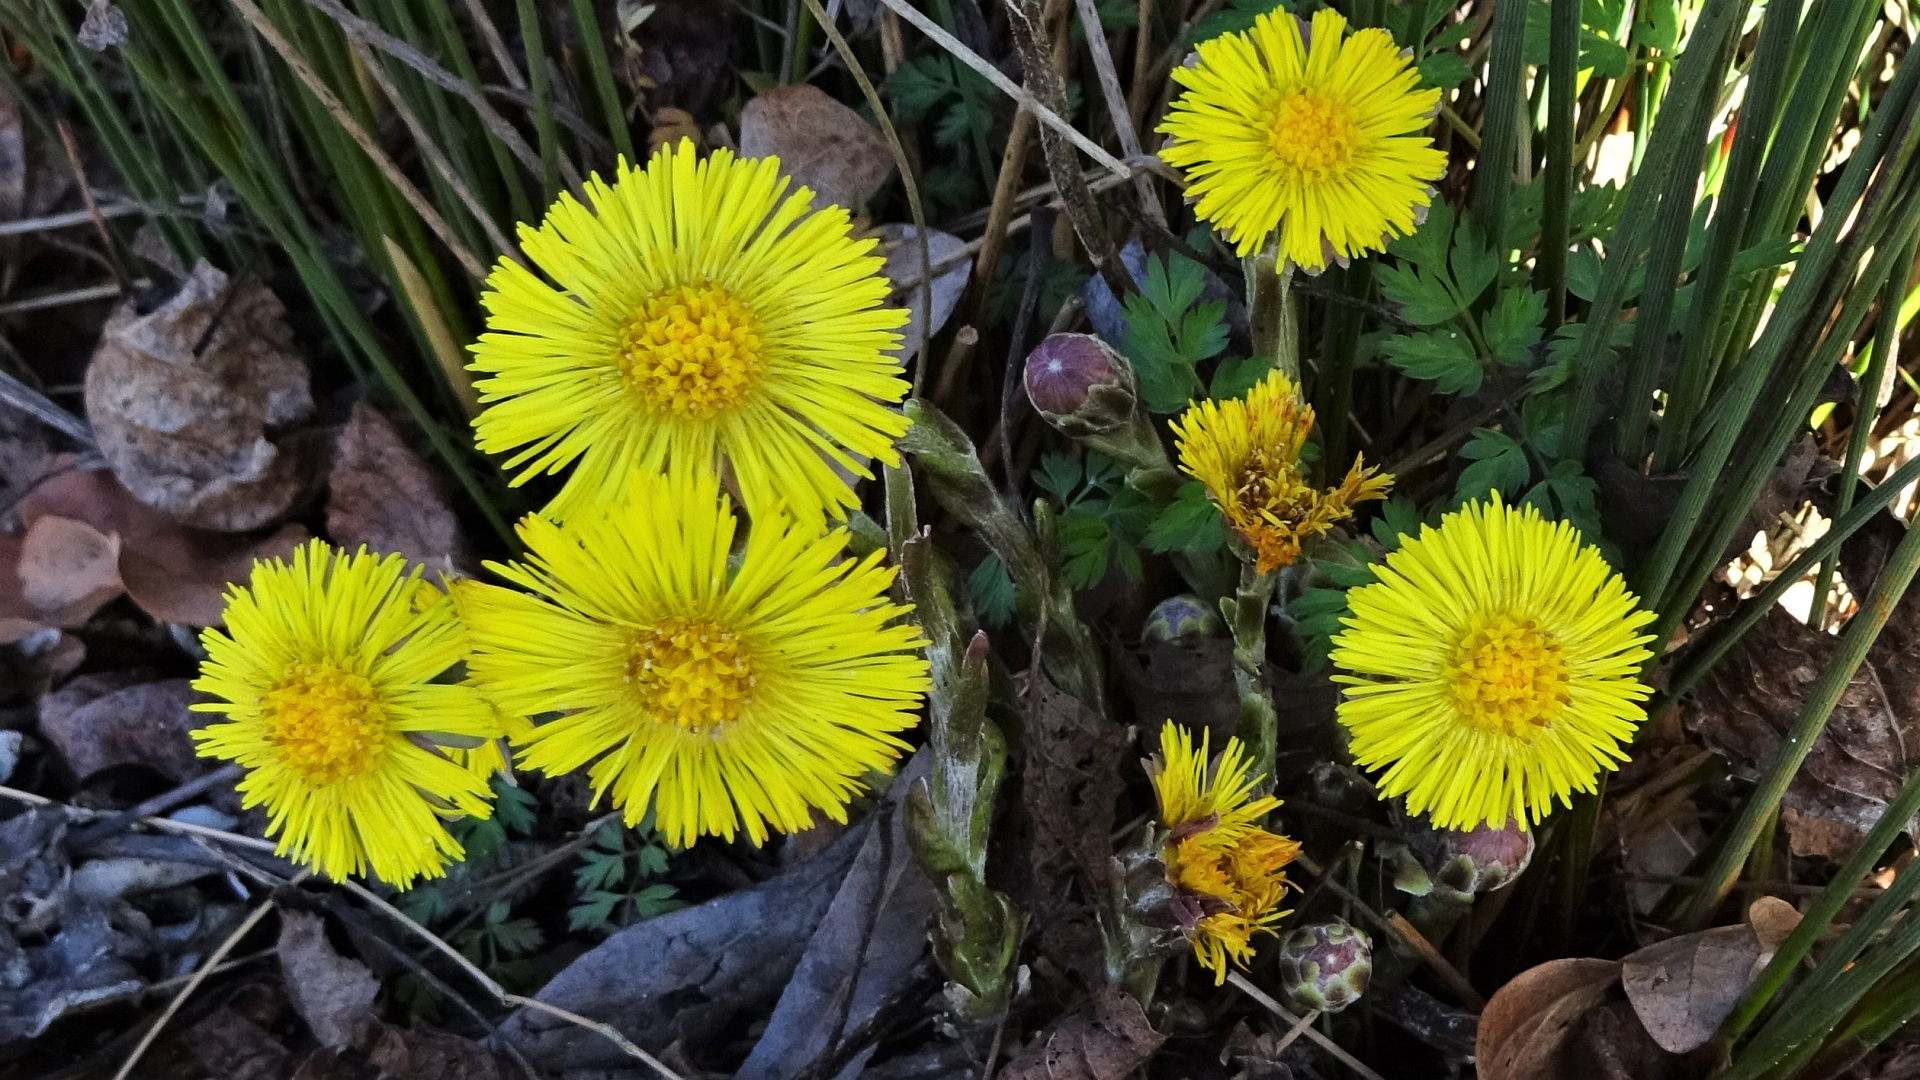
[(93, 208), (21, 226), (1008, 87), (311, 80), (432, 152), (1142, 62), (859, 74), (496, 44), (199, 976), (1319, 1040), (1298, 1029), (1117, 107), (500, 993), (37, 405)]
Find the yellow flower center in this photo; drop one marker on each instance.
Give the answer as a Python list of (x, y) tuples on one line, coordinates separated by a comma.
[(328, 724), (692, 350), (1508, 676), (694, 674), (1312, 134)]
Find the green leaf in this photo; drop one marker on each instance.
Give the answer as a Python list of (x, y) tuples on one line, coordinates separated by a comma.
[(1169, 331), (1237, 375), (1398, 519), (1058, 475), (512, 937), (1444, 70), (1499, 464), (991, 589), (1084, 542), (1189, 523), (1473, 262), (1583, 272), (592, 913), (1566, 493), (514, 807), (1423, 296), (1773, 251), (1512, 326), (655, 900), (1445, 356), (1426, 246), (600, 870)]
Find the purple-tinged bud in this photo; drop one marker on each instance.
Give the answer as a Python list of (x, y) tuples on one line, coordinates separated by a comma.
[(1325, 965), (1483, 859), (1182, 618), (1081, 385)]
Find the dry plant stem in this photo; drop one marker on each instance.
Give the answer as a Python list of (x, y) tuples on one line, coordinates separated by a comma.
[(1298, 1029), (37, 405), (1142, 62), (1246, 615), (446, 353), (1048, 116), (496, 45), (318, 88), (1029, 37), (999, 214), (1858, 637), (432, 152), (921, 348), (1267, 1002), (1123, 128), (112, 249), (199, 976)]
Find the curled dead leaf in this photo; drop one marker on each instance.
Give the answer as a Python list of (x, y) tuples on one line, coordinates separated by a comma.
[(106, 719), (821, 143), (331, 992), (176, 574), (189, 403), (902, 269), (381, 495), (1528, 1023), (56, 575), (1682, 988), (1106, 1039)]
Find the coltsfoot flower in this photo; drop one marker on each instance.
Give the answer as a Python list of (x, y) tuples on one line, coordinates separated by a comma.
[(1493, 668), (694, 315), (728, 696), (1309, 130), (326, 673), (1247, 453), (1228, 873)]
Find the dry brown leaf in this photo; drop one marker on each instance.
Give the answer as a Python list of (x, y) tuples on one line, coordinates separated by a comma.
[(176, 574), (1530, 1020), (57, 575), (672, 126), (189, 401), (382, 495), (821, 143), (1106, 1039), (331, 992), (902, 269), (1682, 988), (1857, 764), (114, 718), (1068, 794)]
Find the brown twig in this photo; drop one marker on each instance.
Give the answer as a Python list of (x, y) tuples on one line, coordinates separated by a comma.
[(1267, 1002), (119, 269), (199, 976)]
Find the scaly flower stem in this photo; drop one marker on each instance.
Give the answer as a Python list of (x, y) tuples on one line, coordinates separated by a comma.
[(1246, 614), (1273, 319)]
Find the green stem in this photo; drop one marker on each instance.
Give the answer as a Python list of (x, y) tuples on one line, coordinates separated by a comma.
[(1246, 615), (1273, 321), (541, 87), (588, 23)]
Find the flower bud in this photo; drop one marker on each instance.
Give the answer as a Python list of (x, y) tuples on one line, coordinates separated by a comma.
[(1483, 859), (1325, 965), (1081, 385), (1182, 618)]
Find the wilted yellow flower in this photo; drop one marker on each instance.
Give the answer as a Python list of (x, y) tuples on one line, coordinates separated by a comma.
[(1320, 136), (727, 695), (1493, 668), (699, 316), (326, 674), (1246, 452), (1227, 871)]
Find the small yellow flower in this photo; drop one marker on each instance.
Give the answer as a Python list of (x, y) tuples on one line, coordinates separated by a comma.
[(1320, 136), (1493, 668), (1227, 871), (728, 695), (699, 316), (1246, 452), (327, 676)]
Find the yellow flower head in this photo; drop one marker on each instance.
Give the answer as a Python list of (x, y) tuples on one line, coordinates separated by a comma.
[(1247, 453), (1492, 668), (327, 676), (1228, 872), (1318, 134), (727, 696), (698, 315)]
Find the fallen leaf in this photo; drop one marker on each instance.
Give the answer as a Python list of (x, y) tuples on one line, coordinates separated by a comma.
[(331, 992), (1772, 920), (381, 495), (188, 403), (821, 143), (902, 269), (1106, 1039), (424, 1054), (115, 718), (176, 574), (1745, 707), (672, 126), (1530, 1020), (1682, 988), (1068, 790), (67, 570), (232, 1047), (685, 975), (869, 950)]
